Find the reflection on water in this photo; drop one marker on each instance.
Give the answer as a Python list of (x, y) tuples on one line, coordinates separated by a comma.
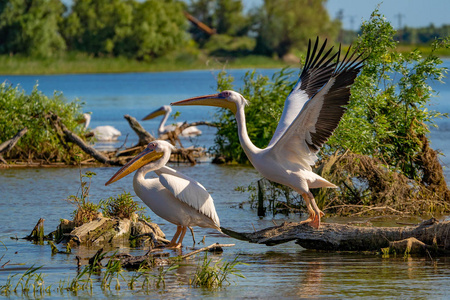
[(283, 271)]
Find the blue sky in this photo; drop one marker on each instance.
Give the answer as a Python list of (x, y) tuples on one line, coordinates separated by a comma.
[(414, 13)]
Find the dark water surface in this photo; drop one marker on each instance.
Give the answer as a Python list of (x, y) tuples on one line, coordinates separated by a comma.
[(283, 271)]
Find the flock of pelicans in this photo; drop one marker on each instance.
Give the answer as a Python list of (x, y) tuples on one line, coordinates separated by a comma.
[(311, 113)]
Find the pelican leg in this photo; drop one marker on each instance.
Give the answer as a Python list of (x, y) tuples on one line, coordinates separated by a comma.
[(310, 209), (318, 213), (192, 232), (314, 212), (183, 232), (173, 242)]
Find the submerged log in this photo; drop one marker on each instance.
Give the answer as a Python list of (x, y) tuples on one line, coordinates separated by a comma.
[(151, 259), (37, 234), (339, 237)]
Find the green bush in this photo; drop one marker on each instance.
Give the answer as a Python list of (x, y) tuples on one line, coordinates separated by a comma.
[(19, 110)]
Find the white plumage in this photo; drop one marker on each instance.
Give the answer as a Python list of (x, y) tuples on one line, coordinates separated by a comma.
[(173, 196), (104, 133), (311, 112)]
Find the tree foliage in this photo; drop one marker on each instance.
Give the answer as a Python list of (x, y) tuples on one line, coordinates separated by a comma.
[(31, 27), (389, 108), (225, 16), (130, 28), (286, 24)]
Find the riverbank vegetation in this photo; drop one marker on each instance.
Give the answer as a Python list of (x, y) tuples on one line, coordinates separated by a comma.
[(41, 143), (380, 155), (50, 37)]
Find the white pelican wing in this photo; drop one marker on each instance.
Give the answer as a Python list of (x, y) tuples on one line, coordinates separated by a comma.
[(319, 116), (316, 72), (188, 191)]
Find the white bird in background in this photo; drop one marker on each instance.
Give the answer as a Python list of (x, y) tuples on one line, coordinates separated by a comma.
[(173, 196), (166, 110), (102, 133), (311, 112)]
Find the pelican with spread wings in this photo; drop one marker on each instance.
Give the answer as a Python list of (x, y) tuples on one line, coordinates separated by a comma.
[(311, 113), (173, 196)]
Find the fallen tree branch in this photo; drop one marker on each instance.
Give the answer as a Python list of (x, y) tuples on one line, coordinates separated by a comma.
[(211, 248), (9, 144), (144, 136), (69, 136), (340, 237)]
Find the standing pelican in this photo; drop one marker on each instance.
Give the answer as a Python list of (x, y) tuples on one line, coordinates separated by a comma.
[(311, 112), (105, 133), (162, 129), (173, 196)]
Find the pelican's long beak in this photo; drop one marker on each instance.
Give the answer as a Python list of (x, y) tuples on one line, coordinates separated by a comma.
[(158, 112), (143, 158), (209, 100)]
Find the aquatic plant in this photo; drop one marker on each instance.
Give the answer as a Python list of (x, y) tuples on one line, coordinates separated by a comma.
[(30, 281), (214, 276), (78, 283), (113, 271), (86, 210)]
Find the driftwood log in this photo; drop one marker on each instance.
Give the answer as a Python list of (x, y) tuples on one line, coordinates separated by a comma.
[(9, 144), (143, 135), (339, 237)]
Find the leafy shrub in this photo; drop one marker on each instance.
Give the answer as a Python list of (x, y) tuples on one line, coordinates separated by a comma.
[(19, 110)]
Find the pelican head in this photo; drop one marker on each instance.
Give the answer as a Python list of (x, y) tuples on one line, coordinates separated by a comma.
[(226, 99), (154, 151), (165, 109)]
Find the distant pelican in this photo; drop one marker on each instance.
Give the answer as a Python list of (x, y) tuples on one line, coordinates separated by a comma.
[(173, 196), (102, 133), (166, 110), (311, 113)]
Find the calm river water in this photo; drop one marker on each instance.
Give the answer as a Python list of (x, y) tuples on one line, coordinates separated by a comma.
[(283, 271)]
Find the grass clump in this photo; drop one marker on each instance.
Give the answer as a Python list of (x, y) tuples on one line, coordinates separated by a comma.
[(123, 206), (213, 276), (29, 282)]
